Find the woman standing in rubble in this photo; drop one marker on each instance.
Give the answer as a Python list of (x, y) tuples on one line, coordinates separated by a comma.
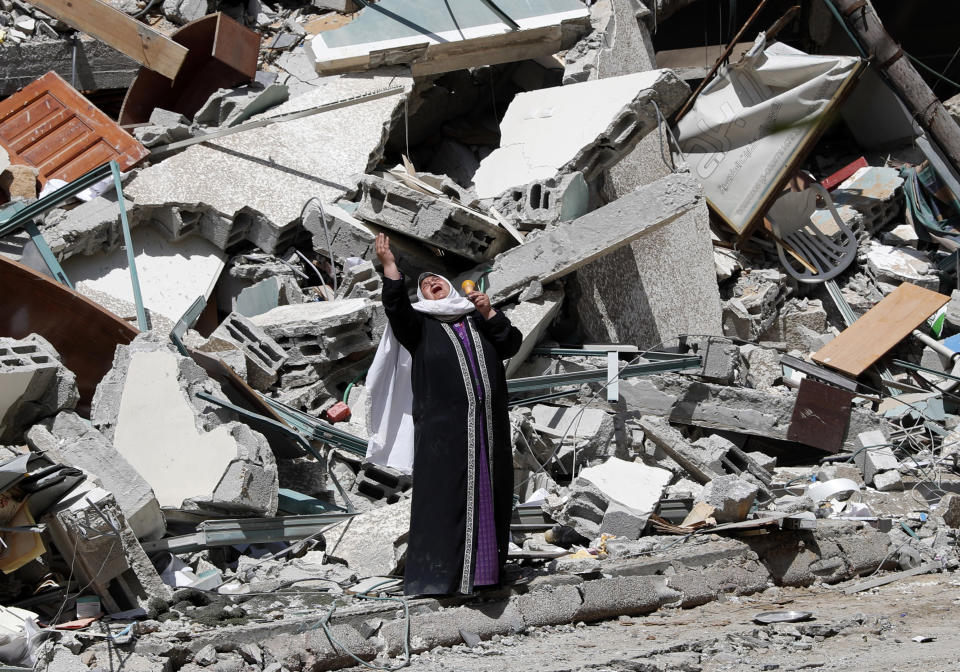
[(438, 397)]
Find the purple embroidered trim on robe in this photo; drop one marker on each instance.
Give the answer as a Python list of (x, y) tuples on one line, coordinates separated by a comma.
[(487, 565)]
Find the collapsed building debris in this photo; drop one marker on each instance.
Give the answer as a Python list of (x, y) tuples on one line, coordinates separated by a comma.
[(704, 404)]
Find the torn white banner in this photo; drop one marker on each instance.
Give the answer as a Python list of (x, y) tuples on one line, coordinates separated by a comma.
[(751, 126)]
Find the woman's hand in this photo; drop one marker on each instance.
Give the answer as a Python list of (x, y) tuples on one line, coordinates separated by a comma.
[(387, 260), (482, 303)]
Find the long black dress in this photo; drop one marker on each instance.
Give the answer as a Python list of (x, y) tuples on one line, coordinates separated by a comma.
[(448, 440)]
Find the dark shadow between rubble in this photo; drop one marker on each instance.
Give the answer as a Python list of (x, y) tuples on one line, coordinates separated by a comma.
[(277, 166)]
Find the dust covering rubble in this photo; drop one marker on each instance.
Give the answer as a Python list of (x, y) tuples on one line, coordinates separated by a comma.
[(740, 330)]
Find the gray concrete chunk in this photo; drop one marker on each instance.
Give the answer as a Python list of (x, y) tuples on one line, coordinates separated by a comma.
[(568, 246), (68, 439), (584, 127), (33, 385), (193, 453)]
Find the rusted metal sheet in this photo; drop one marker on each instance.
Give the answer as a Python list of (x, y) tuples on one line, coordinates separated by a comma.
[(49, 125), (84, 334), (820, 415), (222, 54)]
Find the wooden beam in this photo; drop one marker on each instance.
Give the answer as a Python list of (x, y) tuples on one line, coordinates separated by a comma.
[(124, 33)]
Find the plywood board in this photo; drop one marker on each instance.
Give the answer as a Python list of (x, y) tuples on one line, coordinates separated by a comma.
[(881, 328), (820, 416), (124, 33), (50, 126)]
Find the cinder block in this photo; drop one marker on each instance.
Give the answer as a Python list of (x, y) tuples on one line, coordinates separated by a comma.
[(35, 385), (264, 355)]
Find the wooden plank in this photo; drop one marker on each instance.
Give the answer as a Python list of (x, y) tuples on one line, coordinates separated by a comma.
[(882, 327), (50, 126), (124, 33), (236, 46), (489, 50)]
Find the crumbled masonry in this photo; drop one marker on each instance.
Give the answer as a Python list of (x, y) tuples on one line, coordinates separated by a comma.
[(183, 474)]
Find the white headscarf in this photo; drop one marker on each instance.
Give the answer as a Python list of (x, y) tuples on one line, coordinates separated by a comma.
[(389, 387)]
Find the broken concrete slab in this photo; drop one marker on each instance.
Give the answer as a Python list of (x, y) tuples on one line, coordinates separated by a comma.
[(374, 542), (264, 175), (584, 127), (635, 485), (172, 274), (588, 432), (68, 439), (896, 265), (735, 409), (321, 332), (875, 455), (194, 456), (92, 227), (568, 246), (98, 66), (264, 356), (434, 220), (33, 385), (532, 319), (700, 466)]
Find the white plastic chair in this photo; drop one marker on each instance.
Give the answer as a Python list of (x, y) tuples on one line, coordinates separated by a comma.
[(790, 217)]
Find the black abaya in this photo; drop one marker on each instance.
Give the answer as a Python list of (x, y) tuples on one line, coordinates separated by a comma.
[(441, 550)]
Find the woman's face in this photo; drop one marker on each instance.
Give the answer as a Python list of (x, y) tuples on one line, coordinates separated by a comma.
[(433, 288)]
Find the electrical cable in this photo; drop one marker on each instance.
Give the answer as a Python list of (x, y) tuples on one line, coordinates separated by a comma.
[(326, 235)]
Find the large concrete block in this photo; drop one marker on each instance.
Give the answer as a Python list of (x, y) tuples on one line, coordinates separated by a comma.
[(588, 431), (584, 127), (33, 385), (618, 596), (193, 454), (321, 332), (68, 439), (632, 484), (570, 245), (435, 221), (545, 202)]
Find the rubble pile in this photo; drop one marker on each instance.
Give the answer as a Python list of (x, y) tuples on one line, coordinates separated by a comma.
[(715, 393)]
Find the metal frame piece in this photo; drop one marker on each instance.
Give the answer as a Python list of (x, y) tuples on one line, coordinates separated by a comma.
[(187, 320), (674, 363), (232, 531), (128, 241), (318, 430)]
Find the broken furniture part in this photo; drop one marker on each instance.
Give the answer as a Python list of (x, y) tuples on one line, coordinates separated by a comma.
[(49, 125), (434, 38), (89, 527), (752, 126), (227, 532), (820, 416), (585, 127), (124, 33), (819, 255), (84, 334), (882, 327), (222, 54)]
